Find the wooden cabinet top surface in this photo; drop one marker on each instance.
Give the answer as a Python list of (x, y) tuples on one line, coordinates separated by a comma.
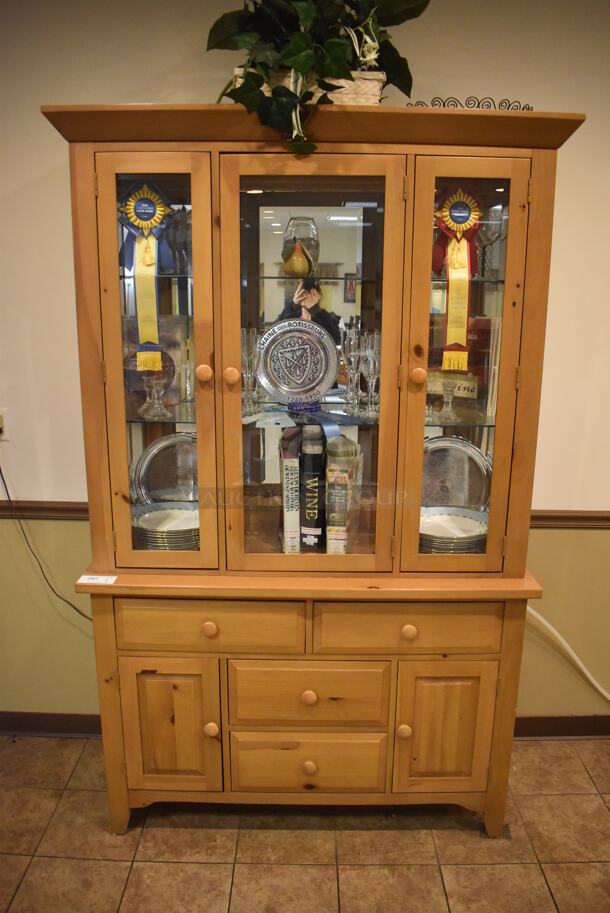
[(329, 123)]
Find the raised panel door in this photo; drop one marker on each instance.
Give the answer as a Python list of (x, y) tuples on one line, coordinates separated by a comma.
[(171, 723), (444, 723)]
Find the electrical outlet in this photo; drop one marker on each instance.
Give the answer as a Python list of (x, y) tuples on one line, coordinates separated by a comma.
[(3, 431)]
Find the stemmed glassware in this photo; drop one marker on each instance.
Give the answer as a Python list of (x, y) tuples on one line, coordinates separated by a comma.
[(447, 415), (250, 355), (370, 365), (350, 349), (487, 235)]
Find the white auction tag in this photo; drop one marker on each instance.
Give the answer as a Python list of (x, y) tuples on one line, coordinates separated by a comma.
[(96, 578)]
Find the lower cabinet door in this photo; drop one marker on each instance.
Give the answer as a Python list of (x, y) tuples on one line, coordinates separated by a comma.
[(444, 724), (171, 723)]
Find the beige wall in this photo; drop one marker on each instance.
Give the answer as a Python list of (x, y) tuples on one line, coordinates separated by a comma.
[(548, 53), (47, 663)]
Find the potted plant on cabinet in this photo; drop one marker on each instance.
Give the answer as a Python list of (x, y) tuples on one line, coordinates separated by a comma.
[(302, 52)]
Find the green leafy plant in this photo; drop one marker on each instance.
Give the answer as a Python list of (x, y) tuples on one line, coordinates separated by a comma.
[(316, 42)]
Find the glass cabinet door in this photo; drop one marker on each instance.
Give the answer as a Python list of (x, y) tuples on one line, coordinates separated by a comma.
[(155, 262), (470, 223), (312, 267)]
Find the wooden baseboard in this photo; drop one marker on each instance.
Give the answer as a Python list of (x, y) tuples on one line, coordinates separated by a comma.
[(541, 727), (44, 510), (79, 510), (89, 724), (50, 723)]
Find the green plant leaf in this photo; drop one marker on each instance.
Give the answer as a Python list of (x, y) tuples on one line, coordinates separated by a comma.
[(393, 12), (266, 54), (249, 93), (246, 40), (301, 147), (298, 54), (327, 86), (277, 111), (336, 59), (396, 67), (324, 99), (306, 10), (283, 11), (223, 34)]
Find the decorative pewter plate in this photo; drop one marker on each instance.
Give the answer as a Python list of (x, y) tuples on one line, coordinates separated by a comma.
[(298, 362)]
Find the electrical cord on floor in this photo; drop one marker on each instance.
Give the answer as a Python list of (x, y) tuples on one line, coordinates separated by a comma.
[(38, 562)]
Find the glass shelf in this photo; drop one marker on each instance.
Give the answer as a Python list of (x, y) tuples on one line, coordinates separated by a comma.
[(476, 280), (343, 420), (342, 278), (458, 424), (130, 278)]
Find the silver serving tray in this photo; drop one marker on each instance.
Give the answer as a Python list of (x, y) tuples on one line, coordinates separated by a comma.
[(446, 463), (140, 482)]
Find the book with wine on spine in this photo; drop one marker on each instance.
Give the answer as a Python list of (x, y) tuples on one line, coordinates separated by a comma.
[(291, 502), (312, 466)]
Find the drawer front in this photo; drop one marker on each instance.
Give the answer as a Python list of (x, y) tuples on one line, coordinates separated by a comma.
[(307, 762), (309, 693), (210, 626), (407, 627)]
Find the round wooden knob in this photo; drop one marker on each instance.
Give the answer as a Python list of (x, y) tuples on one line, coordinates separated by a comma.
[(209, 628), (404, 731), (211, 730), (310, 698), (203, 373), (409, 632), (419, 375), (309, 767), (231, 376)]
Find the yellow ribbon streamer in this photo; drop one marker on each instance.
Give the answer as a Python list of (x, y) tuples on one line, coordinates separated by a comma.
[(458, 282), (146, 301)]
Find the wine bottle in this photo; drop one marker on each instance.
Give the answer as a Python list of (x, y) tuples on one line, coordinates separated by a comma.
[(312, 465)]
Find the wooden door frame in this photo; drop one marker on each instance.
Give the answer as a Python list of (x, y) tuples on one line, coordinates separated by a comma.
[(197, 165), (393, 168), (427, 169)]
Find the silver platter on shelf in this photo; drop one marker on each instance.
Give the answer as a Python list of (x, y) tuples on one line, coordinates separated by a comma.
[(298, 361), (165, 526), (452, 530), (455, 472), (173, 459)]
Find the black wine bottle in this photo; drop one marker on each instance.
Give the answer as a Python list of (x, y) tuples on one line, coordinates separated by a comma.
[(312, 465)]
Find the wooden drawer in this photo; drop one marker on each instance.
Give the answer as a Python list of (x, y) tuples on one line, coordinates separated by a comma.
[(210, 626), (313, 761), (309, 693), (407, 627)]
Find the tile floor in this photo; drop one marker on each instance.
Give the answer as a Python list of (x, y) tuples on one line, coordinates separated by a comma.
[(56, 855)]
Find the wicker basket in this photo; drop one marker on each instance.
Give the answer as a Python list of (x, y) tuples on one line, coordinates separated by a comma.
[(365, 89)]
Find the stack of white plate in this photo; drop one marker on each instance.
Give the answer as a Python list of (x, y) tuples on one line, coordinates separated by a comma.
[(452, 530), (166, 525)]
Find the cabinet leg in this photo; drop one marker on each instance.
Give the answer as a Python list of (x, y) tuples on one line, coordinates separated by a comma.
[(118, 814), (494, 815)]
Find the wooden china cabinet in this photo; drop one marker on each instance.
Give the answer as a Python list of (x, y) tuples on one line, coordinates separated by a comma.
[(245, 652)]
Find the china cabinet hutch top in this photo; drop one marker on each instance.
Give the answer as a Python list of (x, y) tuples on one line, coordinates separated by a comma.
[(396, 170)]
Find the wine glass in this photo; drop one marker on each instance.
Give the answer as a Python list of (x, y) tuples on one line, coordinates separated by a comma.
[(350, 349), (487, 235), (370, 361), (447, 415), (250, 356)]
